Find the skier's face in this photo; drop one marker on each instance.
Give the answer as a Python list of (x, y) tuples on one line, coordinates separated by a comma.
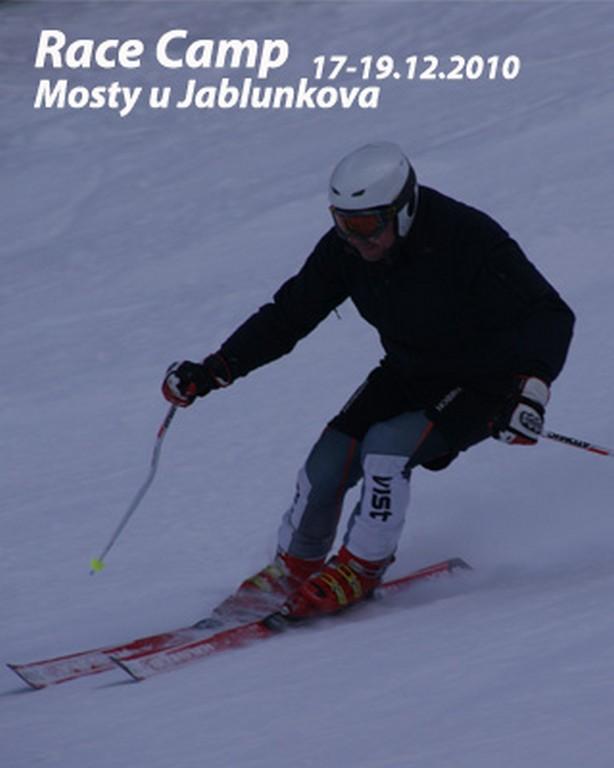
[(375, 248)]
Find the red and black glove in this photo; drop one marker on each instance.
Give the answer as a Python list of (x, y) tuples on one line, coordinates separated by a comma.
[(184, 382), (522, 419)]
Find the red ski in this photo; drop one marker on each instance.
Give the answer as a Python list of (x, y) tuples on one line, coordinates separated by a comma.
[(147, 663), (61, 669)]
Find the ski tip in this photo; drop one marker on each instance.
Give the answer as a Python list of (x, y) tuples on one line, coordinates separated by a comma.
[(17, 669), (458, 562)]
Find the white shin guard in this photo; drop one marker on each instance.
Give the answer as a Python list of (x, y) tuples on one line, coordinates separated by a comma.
[(291, 521), (377, 521)]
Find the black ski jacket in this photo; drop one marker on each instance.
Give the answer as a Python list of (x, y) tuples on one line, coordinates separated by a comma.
[(459, 304)]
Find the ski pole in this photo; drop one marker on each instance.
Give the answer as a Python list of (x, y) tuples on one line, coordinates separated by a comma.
[(97, 564), (576, 443)]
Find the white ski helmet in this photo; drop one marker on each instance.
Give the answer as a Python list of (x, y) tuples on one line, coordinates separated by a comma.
[(376, 176)]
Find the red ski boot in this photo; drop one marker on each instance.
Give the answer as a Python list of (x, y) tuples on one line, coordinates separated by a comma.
[(344, 580), (267, 590)]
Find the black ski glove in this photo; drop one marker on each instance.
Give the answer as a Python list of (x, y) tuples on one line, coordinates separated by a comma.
[(522, 419), (184, 382)]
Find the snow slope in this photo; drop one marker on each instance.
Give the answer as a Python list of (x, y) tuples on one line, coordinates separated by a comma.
[(127, 244)]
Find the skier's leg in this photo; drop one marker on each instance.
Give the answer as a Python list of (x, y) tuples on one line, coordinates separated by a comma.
[(377, 521), (333, 466), (308, 528), (391, 446)]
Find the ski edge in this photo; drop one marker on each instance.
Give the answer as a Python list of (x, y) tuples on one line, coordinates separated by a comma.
[(61, 669), (46, 672), (39, 675), (143, 665)]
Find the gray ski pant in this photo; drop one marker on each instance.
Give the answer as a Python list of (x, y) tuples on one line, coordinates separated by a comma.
[(336, 463)]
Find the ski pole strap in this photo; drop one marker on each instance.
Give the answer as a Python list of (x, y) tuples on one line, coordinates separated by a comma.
[(577, 443)]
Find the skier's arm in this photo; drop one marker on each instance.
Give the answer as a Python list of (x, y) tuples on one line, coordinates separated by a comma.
[(297, 308), (515, 298), (299, 305), (511, 289)]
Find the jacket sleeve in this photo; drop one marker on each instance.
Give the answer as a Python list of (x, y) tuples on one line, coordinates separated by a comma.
[(297, 308), (514, 294)]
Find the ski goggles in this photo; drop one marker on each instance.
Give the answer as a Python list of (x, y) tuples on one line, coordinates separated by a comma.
[(365, 224)]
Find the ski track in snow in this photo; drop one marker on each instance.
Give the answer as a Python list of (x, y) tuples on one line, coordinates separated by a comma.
[(131, 243)]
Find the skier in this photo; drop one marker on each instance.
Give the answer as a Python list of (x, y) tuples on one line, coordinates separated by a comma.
[(473, 337)]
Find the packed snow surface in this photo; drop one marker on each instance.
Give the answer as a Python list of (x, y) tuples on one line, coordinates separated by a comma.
[(127, 243)]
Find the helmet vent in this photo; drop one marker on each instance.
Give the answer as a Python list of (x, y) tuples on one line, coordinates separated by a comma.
[(359, 193)]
